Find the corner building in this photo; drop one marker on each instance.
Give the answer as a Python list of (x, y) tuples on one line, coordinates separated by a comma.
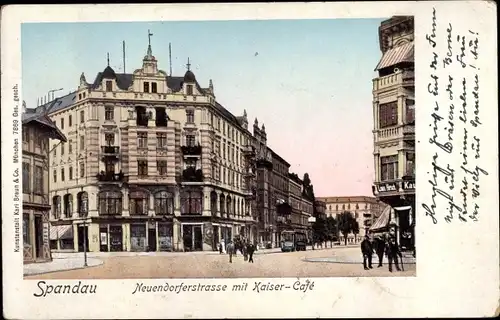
[(394, 130), (152, 163)]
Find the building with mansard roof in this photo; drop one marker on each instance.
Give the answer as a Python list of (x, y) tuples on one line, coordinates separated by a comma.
[(152, 162)]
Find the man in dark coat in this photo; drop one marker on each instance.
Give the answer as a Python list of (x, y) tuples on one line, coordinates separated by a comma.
[(392, 251), (367, 251), (250, 251), (379, 249)]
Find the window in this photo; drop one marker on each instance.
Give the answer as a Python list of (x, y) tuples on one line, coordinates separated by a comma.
[(190, 140), (388, 114), (82, 170), (161, 140), (68, 205), (82, 142), (54, 174), (161, 119), (110, 202), (146, 86), (164, 203), (191, 202), (213, 203), (410, 111), (38, 180), (162, 167), (109, 139), (82, 116), (26, 177), (62, 174), (82, 202), (143, 167), (70, 120), (154, 87), (139, 203), (109, 85), (190, 116), (410, 164), (142, 140), (26, 228), (189, 89), (26, 134), (389, 168), (62, 148), (70, 146), (109, 113), (70, 173), (56, 206), (109, 166), (62, 123)]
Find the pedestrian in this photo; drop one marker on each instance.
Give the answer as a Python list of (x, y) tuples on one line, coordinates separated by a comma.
[(230, 250), (250, 250), (392, 251), (244, 250), (367, 251), (380, 248), (220, 247)]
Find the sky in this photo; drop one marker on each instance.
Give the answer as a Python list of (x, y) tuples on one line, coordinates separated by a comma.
[(308, 81)]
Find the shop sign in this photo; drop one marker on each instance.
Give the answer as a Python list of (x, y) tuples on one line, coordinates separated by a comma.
[(104, 238), (409, 185), (387, 187), (45, 233)]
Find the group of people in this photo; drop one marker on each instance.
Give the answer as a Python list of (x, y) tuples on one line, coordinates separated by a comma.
[(380, 245), (246, 248)]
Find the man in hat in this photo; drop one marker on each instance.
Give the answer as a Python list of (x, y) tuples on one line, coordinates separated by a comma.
[(367, 251), (392, 251), (230, 250), (379, 249)]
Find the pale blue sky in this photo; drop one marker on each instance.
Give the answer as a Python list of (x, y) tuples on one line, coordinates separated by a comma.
[(310, 83)]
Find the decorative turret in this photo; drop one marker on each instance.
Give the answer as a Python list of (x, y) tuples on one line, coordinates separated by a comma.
[(149, 63), (189, 75)]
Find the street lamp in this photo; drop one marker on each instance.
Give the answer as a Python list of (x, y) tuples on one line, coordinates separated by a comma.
[(84, 207)]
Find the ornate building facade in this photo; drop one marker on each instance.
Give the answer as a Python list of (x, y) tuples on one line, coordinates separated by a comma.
[(394, 129), (152, 163), (37, 130)]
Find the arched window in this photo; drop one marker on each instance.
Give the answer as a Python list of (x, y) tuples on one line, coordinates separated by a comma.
[(138, 203), (191, 202), (234, 207), (229, 205), (222, 203), (82, 199), (68, 205), (110, 202), (213, 203), (164, 203), (56, 206)]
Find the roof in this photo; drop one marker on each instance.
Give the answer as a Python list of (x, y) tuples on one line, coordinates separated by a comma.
[(123, 80), (42, 119), (399, 54), (382, 221), (347, 199), (277, 156)]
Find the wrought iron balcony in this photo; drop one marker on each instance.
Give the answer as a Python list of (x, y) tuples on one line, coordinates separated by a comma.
[(110, 177), (191, 150), (249, 150), (192, 175)]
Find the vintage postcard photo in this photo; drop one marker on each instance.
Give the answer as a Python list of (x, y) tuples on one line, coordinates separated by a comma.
[(163, 155)]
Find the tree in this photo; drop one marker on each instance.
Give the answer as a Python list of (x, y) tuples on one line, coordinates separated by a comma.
[(320, 230), (345, 224), (331, 226), (355, 228)]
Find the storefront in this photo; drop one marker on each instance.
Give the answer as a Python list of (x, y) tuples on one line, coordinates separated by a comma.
[(165, 236), (36, 236), (61, 237), (192, 236), (138, 237)]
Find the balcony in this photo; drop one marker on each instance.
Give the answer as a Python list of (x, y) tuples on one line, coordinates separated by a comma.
[(249, 150), (409, 130), (110, 177), (264, 163), (389, 133), (192, 175), (110, 152), (191, 151), (406, 78)]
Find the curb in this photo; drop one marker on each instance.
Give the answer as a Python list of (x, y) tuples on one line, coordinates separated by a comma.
[(61, 270)]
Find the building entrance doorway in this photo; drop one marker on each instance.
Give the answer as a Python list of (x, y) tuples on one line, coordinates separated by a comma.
[(38, 237), (192, 237), (115, 238), (152, 239), (83, 235)]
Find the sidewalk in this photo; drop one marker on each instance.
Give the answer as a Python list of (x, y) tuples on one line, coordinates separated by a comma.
[(59, 265), (356, 258)]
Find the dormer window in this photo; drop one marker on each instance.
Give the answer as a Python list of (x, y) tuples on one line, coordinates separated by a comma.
[(189, 89), (109, 85), (154, 87), (146, 87)]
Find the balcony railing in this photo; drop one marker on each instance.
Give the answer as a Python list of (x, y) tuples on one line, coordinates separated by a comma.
[(191, 150), (409, 129), (399, 78), (110, 150), (192, 175), (110, 177), (389, 133)]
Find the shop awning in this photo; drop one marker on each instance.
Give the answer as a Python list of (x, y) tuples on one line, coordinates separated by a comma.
[(402, 53), (402, 208), (61, 232), (382, 221)]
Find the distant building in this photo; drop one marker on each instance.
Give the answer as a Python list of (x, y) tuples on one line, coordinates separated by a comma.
[(364, 209), (320, 208), (37, 129), (394, 129)]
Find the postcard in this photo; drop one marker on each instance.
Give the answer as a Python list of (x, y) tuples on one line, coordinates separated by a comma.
[(250, 160)]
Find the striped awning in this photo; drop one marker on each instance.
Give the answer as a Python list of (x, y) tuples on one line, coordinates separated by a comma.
[(382, 221), (402, 53), (61, 232)]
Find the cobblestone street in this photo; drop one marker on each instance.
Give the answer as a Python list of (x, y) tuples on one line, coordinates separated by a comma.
[(336, 262)]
